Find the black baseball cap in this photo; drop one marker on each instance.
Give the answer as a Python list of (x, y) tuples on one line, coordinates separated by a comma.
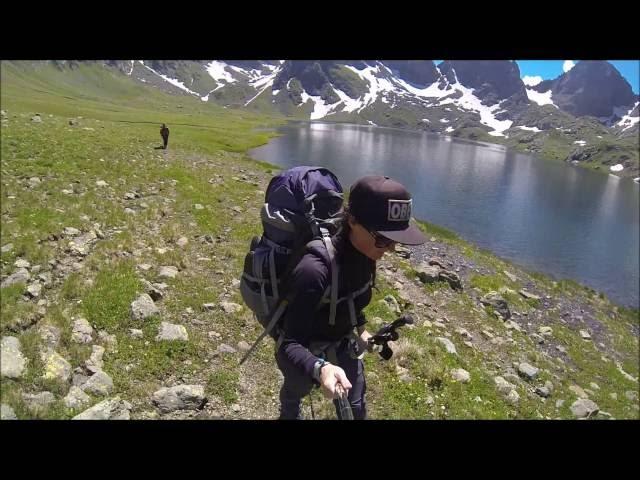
[(384, 205)]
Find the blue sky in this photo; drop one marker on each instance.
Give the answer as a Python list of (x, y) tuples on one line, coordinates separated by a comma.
[(550, 69)]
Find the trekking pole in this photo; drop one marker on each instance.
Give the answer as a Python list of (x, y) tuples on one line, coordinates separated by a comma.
[(344, 407)]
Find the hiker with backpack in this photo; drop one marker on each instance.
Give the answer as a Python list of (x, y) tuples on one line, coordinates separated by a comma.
[(312, 303), (164, 133)]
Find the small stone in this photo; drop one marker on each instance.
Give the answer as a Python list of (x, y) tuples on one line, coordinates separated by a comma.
[(461, 375), (487, 334), (224, 348), (502, 385), (172, 332), (76, 398), (71, 232), (613, 396), (95, 363), (101, 183), (12, 361), (584, 408), (182, 241), (208, 306), (181, 397), (113, 409), (528, 371), (144, 266), (82, 331), (585, 335), (7, 413), (197, 206), (529, 295), (38, 402), (235, 407), (21, 263), (448, 345), (559, 403), (135, 333), (243, 346), (546, 331), (230, 307), (143, 307), (594, 385), (6, 249), (56, 367), (578, 391), (34, 290), (513, 398), (168, 271), (99, 383), (543, 392)]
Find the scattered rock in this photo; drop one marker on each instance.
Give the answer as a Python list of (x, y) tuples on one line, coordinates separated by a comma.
[(7, 413), (182, 397), (451, 278), (109, 340), (12, 361), (224, 348), (76, 398), (594, 385), (584, 408), (613, 396), (182, 241), (546, 331), (143, 307), (512, 397), (82, 331), (197, 206), (6, 249), (21, 263), (36, 119), (631, 395), (101, 183), (155, 293), (243, 346), (113, 409), (578, 391), (428, 273), (230, 307), (50, 336), (34, 290), (448, 345), (39, 401), (529, 295), (510, 276), (559, 403), (99, 383), (135, 333), (510, 377), (56, 367), (537, 338), (585, 335), (168, 271), (208, 306), (21, 275), (71, 232), (527, 371), (95, 363), (543, 392), (499, 304), (169, 332), (487, 334), (461, 375)]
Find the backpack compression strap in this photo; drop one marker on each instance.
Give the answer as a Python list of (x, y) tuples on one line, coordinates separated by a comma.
[(326, 238)]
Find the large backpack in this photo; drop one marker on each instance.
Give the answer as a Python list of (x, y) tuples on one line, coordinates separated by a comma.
[(302, 205)]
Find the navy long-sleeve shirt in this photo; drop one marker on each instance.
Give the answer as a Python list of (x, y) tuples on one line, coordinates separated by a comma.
[(303, 323)]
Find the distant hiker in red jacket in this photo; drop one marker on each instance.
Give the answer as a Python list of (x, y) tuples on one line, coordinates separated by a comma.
[(164, 132)]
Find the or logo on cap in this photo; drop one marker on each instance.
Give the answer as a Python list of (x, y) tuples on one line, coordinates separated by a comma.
[(399, 210)]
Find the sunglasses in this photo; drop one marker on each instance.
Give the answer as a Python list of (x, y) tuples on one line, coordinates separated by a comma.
[(381, 241)]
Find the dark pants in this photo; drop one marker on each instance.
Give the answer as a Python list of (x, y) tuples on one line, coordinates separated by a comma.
[(165, 140), (298, 385)]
